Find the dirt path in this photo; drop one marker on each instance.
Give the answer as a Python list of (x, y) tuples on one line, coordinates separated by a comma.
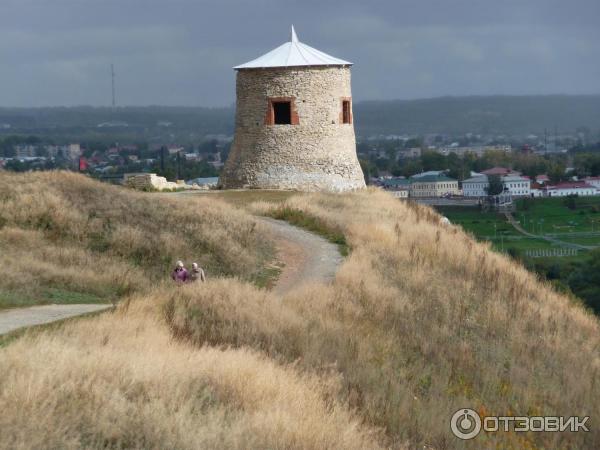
[(13, 319), (306, 256)]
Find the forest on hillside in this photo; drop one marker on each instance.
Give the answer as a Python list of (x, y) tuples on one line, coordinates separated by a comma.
[(511, 115)]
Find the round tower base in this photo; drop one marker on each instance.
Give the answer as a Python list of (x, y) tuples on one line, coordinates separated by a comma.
[(290, 178)]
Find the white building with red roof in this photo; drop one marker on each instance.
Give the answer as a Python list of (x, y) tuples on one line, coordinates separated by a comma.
[(594, 181), (542, 179), (580, 188)]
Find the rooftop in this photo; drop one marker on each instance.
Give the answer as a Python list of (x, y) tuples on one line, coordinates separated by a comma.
[(572, 185), (395, 182), (293, 54), (497, 171), (431, 178), (477, 179), (514, 177)]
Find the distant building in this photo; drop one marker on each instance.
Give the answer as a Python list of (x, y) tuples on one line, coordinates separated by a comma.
[(594, 181), (426, 174), (542, 179), (72, 151), (580, 188), (516, 185), (25, 151), (398, 187), (173, 149), (537, 190), (437, 185), (192, 157), (475, 186), (414, 152), (478, 150)]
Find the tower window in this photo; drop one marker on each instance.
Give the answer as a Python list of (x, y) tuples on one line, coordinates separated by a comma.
[(346, 112), (282, 112)]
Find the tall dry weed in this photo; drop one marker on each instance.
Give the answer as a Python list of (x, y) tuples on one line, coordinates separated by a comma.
[(120, 381), (64, 231)]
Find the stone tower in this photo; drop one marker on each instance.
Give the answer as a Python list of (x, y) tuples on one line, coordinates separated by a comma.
[(293, 123)]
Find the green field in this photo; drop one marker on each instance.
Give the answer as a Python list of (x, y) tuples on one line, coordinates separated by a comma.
[(577, 224), (553, 216), (492, 227)]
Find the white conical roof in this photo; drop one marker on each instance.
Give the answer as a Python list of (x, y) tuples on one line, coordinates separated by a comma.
[(293, 54)]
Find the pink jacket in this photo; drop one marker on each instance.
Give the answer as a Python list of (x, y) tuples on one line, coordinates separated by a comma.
[(180, 275)]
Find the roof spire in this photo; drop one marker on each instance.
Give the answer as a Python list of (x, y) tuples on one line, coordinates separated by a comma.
[(293, 36)]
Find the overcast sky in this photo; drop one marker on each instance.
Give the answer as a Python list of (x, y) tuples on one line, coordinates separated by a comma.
[(180, 52)]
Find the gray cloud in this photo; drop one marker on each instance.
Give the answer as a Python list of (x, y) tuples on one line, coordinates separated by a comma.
[(181, 52)]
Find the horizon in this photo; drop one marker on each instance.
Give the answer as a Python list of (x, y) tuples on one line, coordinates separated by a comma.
[(232, 106)]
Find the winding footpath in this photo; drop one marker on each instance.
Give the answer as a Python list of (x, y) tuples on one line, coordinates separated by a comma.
[(305, 257), (13, 319)]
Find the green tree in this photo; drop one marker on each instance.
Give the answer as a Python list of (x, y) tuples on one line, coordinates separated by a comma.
[(570, 202), (556, 173), (585, 281), (369, 170), (433, 161), (495, 185)]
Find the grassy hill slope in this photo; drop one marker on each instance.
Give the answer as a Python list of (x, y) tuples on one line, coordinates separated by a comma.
[(120, 380), (68, 238), (420, 321)]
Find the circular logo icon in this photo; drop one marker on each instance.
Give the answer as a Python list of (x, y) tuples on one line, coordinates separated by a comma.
[(465, 424)]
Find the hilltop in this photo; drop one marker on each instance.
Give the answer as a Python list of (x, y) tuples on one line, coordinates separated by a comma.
[(421, 320)]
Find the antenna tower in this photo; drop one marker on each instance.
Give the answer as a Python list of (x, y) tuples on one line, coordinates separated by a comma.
[(112, 74)]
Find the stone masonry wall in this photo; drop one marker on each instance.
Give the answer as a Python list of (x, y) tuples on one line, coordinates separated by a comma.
[(319, 153)]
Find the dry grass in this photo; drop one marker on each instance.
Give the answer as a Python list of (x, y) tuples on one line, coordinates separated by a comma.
[(62, 231), (420, 322), (243, 198), (120, 381)]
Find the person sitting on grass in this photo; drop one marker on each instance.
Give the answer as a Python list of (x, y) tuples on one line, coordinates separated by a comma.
[(180, 274), (197, 273)]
